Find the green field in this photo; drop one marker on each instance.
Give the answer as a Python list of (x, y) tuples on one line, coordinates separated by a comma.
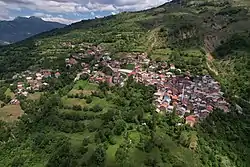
[(35, 96), (113, 148), (73, 101), (83, 86), (163, 54), (9, 93)]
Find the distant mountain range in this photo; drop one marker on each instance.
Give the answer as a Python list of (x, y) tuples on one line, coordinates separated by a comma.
[(21, 28)]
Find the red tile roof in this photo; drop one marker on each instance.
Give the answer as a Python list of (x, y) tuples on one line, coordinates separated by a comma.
[(191, 118)]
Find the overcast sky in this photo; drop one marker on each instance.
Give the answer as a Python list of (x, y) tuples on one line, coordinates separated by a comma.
[(69, 11)]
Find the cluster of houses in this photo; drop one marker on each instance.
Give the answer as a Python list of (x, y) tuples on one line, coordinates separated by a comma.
[(191, 97), (197, 96), (33, 81)]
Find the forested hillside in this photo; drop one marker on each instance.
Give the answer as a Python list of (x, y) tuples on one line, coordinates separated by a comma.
[(118, 126)]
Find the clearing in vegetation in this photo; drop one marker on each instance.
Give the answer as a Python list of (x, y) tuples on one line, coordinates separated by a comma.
[(10, 113)]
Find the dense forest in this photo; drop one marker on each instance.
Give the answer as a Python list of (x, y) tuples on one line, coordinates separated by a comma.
[(118, 126)]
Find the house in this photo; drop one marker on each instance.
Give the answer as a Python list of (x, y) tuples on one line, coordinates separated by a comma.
[(39, 78), (163, 107), (172, 67), (38, 75), (20, 85), (25, 93), (190, 120), (28, 78), (57, 74), (72, 61), (46, 74), (15, 102)]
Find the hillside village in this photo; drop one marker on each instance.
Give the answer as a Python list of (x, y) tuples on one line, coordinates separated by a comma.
[(191, 97), (196, 96)]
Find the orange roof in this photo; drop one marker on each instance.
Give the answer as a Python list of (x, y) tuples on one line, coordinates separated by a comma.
[(191, 118), (175, 97), (164, 105)]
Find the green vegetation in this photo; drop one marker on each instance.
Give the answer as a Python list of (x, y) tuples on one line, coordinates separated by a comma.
[(35, 96), (120, 129), (84, 124), (9, 93)]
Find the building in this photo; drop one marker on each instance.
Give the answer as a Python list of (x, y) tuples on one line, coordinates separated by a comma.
[(191, 120)]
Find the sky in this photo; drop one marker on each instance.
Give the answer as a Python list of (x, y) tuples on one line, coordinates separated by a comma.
[(70, 11)]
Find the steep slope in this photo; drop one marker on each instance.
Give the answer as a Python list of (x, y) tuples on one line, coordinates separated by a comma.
[(21, 28)]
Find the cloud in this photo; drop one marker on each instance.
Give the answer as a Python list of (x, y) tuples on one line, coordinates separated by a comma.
[(72, 7), (57, 6), (58, 18)]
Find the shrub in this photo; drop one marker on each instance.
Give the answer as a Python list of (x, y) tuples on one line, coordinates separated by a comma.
[(97, 108), (77, 107), (89, 100)]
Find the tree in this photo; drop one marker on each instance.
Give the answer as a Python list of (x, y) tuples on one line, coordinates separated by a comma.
[(122, 155), (120, 126), (62, 157), (99, 156), (96, 108), (88, 100), (18, 161), (77, 107)]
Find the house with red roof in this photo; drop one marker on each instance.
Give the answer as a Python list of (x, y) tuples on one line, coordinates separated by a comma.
[(191, 120), (57, 74)]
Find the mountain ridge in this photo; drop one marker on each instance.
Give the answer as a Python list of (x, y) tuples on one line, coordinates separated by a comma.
[(22, 27)]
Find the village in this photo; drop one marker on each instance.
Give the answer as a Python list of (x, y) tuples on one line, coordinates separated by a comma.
[(191, 97), (195, 96), (30, 82)]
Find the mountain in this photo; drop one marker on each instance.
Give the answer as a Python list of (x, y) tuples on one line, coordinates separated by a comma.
[(21, 28), (200, 36)]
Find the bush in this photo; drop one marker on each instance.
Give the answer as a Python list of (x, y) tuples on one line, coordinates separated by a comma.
[(97, 108), (85, 108), (89, 100), (112, 141), (2, 105), (77, 107)]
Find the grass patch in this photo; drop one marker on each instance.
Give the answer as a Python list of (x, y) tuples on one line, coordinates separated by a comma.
[(73, 101), (130, 66), (76, 138), (85, 85), (35, 96), (8, 92), (193, 52), (134, 136), (163, 54), (101, 102), (112, 150), (75, 91), (10, 113)]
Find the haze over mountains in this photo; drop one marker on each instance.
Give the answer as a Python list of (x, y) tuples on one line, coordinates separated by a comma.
[(21, 28)]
